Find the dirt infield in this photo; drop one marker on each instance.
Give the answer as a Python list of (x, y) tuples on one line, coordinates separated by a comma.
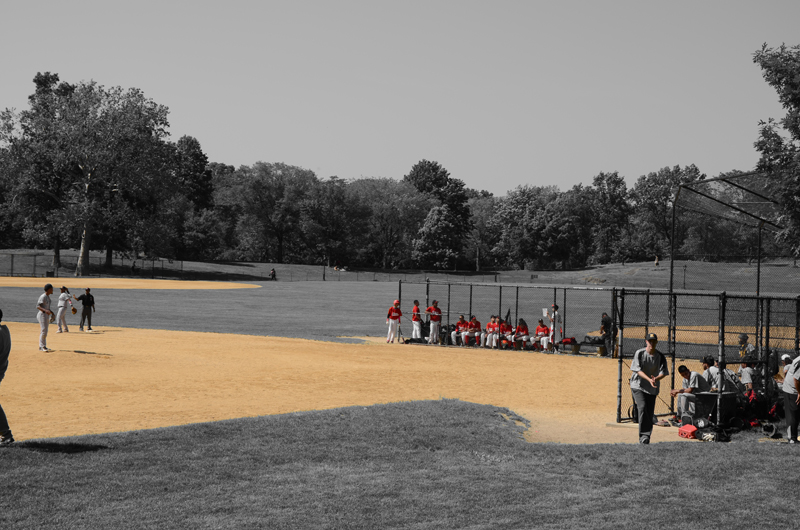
[(78, 284), (119, 379)]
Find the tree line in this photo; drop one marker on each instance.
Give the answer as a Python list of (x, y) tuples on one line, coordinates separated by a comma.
[(93, 167)]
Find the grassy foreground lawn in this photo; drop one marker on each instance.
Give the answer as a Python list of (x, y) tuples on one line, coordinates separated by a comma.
[(439, 464)]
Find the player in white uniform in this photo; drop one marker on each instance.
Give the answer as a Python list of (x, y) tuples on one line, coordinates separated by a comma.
[(556, 332), (43, 316), (64, 299)]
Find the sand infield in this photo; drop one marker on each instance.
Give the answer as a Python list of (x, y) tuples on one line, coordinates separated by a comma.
[(120, 379)]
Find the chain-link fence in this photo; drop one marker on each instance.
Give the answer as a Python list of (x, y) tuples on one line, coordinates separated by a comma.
[(581, 308), (692, 326)]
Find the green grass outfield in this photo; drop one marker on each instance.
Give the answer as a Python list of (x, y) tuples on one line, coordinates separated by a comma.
[(439, 464)]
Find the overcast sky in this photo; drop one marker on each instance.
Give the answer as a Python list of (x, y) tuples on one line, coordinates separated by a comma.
[(501, 93)]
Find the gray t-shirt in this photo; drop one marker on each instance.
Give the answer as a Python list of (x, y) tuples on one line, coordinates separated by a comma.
[(712, 376), (749, 376), (791, 375), (650, 365), (697, 383), (44, 302)]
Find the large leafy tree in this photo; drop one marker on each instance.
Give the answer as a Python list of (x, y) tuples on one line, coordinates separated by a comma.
[(518, 221), (611, 210), (108, 157), (395, 213), (779, 141), (269, 197)]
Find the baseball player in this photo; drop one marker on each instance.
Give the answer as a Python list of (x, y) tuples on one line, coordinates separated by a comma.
[(416, 321), (393, 320), (461, 326), (43, 316), (649, 366), (436, 319), (489, 337), (64, 299), (473, 330), (556, 333), (506, 332), (6, 438), (88, 306), (541, 336), (521, 334)]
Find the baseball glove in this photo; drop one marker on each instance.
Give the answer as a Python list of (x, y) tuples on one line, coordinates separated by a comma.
[(74, 310)]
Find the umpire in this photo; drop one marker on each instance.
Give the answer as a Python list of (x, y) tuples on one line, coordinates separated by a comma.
[(88, 306), (649, 366)]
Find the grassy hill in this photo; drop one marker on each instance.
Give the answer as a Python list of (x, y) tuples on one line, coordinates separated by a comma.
[(439, 464)]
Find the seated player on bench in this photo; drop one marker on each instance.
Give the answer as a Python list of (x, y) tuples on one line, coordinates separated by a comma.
[(541, 336), (473, 330), (688, 400), (489, 337), (506, 333), (461, 326), (521, 335)]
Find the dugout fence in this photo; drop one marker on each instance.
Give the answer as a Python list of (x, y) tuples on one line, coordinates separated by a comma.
[(693, 325)]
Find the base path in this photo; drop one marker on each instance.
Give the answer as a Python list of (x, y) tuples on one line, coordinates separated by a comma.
[(121, 379)]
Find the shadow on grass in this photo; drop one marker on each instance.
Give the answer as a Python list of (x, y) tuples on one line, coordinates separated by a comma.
[(55, 447)]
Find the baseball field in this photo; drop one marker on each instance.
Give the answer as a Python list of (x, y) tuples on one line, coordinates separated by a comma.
[(278, 405)]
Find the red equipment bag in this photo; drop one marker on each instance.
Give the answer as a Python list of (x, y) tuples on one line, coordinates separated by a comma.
[(688, 431)]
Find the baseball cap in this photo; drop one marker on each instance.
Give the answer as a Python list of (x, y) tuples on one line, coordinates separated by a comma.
[(397, 301), (786, 357), (651, 336), (742, 336)]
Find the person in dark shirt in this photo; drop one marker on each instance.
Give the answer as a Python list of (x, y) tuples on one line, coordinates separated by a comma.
[(88, 307), (6, 438)]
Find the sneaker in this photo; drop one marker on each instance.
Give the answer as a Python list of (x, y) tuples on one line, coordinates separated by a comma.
[(6, 440), (90, 329), (644, 440), (59, 331), (792, 441), (81, 329)]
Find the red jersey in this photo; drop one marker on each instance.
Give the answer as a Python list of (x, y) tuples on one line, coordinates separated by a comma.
[(542, 331), (462, 325), (394, 313), (415, 314), (521, 330), (505, 327), (474, 325), (491, 327), (436, 313)]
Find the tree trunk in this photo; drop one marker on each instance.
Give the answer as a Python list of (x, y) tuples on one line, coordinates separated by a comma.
[(478, 259), (83, 260), (109, 256), (56, 253)]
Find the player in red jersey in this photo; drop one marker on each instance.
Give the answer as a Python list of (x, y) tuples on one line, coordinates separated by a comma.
[(393, 319), (436, 319), (416, 321), (473, 330), (489, 337), (506, 333), (461, 326), (521, 334), (540, 336)]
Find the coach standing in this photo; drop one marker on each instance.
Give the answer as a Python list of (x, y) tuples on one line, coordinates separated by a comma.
[(88, 306), (5, 348), (43, 316), (791, 399), (649, 366)]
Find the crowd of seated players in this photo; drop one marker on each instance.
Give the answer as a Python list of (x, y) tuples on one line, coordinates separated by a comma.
[(499, 333)]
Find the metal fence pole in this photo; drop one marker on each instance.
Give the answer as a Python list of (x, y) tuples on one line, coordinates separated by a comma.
[(448, 308), (621, 353), (400, 290), (500, 301), (673, 303), (796, 326), (516, 308), (721, 356), (764, 352), (470, 301), (427, 292), (12, 268), (34, 265), (647, 312), (564, 316)]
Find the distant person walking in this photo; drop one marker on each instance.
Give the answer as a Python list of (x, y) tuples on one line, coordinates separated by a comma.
[(43, 316), (649, 366), (88, 307), (5, 348), (64, 299)]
